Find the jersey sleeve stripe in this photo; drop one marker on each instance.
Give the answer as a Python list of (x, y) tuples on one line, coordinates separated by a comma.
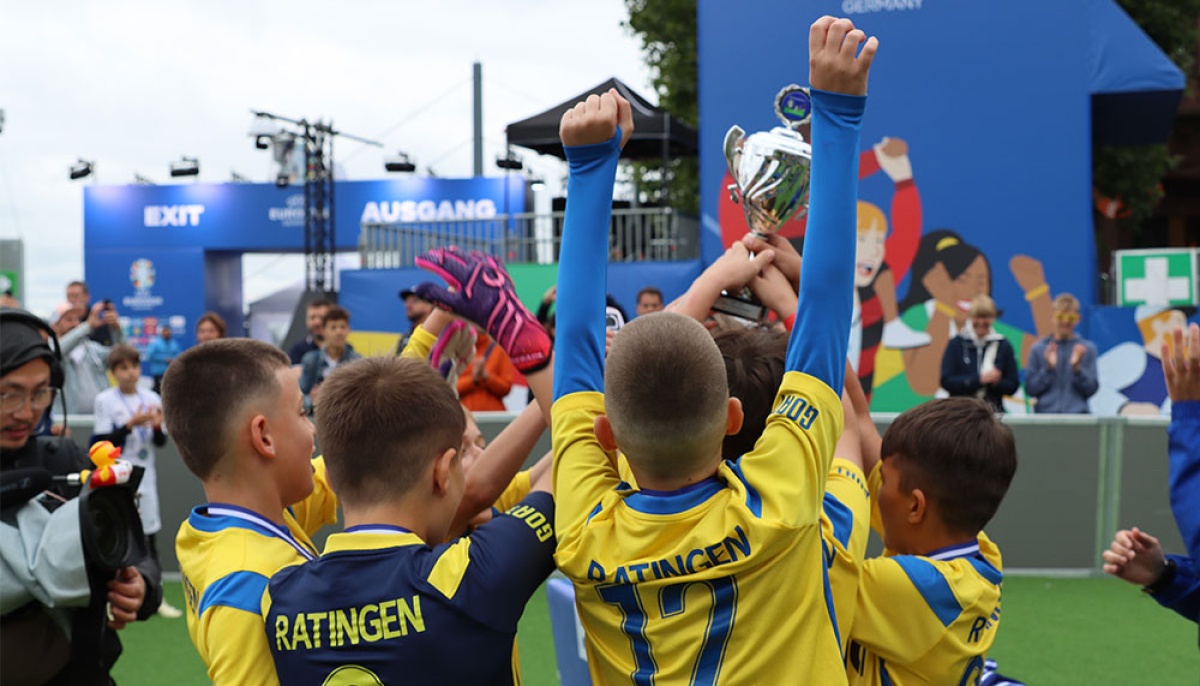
[(837, 635), (986, 570), (841, 517), (753, 499), (448, 572), (240, 590), (932, 587)]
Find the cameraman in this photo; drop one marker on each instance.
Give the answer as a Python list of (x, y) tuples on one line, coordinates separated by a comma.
[(52, 631)]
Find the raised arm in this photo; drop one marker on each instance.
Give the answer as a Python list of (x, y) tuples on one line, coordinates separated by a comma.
[(1181, 369), (839, 80), (593, 133)]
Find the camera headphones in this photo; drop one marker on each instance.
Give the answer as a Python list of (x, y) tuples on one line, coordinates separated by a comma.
[(15, 316)]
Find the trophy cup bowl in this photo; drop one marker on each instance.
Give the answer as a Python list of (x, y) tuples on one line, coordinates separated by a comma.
[(771, 172)]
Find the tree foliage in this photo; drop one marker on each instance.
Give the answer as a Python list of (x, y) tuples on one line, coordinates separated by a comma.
[(667, 31), (1134, 174)]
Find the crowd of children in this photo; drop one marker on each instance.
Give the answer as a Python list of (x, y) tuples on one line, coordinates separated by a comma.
[(709, 493)]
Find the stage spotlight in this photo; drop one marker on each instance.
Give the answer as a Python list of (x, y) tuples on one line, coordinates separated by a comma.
[(510, 161), (283, 179), (262, 142), (400, 162), (187, 166), (81, 169), (262, 129)]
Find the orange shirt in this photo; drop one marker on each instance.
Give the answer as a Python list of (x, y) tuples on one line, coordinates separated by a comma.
[(485, 392)]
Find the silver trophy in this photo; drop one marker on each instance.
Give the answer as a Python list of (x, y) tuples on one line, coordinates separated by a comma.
[(770, 171)]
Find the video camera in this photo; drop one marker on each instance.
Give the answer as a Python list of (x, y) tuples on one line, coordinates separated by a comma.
[(109, 527)]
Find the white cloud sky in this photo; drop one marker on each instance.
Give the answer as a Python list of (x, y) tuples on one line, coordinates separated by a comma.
[(134, 85)]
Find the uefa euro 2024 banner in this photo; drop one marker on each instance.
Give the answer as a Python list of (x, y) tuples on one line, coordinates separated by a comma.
[(974, 169), (167, 254)]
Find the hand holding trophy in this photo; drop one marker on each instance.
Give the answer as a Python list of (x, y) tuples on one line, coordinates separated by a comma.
[(770, 170)]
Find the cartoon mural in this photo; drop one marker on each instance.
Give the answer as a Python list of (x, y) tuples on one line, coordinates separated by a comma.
[(1130, 371), (1004, 202)]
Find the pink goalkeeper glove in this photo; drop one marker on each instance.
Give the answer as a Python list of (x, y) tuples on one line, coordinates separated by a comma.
[(483, 292)]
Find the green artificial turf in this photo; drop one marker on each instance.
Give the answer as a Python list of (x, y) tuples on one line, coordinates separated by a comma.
[(1052, 631)]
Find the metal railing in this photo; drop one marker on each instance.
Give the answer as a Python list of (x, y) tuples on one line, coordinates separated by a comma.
[(635, 235)]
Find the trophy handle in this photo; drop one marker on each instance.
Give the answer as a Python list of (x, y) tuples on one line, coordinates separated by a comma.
[(733, 149)]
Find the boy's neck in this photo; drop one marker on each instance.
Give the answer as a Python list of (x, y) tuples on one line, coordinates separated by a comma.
[(404, 513), (128, 390), (335, 352), (938, 538), (246, 493), (674, 483)]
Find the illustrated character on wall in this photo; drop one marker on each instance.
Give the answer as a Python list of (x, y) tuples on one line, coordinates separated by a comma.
[(1130, 374), (948, 273), (881, 261)]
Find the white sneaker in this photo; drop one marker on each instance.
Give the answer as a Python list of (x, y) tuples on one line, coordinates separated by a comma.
[(169, 611), (897, 335)]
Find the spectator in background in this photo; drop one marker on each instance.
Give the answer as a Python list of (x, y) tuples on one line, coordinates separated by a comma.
[(84, 360), (488, 379), (314, 318), (979, 362), (159, 354), (417, 310), (334, 351), (79, 295), (649, 299), (1061, 372), (209, 327), (7, 300)]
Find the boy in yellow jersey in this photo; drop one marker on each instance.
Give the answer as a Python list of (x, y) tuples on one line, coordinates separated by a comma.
[(928, 610), (237, 416), (711, 571)]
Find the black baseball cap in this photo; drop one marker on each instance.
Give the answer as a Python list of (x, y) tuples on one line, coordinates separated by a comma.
[(411, 290)]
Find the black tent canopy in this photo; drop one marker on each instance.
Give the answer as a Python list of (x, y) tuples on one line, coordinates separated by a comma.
[(656, 134)]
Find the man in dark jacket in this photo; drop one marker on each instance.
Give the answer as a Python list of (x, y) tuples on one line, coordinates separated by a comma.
[(979, 362), (53, 623)]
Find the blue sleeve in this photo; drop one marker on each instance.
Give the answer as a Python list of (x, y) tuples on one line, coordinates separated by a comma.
[(1006, 362), (510, 557), (957, 378), (583, 268), (1086, 382), (1037, 375), (1183, 593), (1184, 437), (821, 333)]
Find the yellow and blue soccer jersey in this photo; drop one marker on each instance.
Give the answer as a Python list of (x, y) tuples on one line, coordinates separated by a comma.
[(515, 492), (926, 619), (720, 582), (226, 555), (384, 608), (845, 526)]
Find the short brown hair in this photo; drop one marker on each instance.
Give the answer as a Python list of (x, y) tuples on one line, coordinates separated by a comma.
[(959, 453), (335, 313), (208, 387), (649, 290), (665, 393), (214, 319), (380, 421), (123, 352), (754, 360)]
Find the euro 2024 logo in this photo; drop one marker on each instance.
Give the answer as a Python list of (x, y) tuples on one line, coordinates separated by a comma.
[(141, 275)]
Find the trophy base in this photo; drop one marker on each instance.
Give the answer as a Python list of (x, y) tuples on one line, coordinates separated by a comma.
[(741, 306)]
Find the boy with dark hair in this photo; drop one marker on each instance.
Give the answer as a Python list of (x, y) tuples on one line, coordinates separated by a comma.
[(928, 610), (334, 350), (385, 603), (131, 418), (237, 416), (713, 570)]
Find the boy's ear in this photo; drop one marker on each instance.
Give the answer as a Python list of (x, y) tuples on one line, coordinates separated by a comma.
[(443, 469), (733, 424), (261, 438), (604, 433), (918, 507)]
